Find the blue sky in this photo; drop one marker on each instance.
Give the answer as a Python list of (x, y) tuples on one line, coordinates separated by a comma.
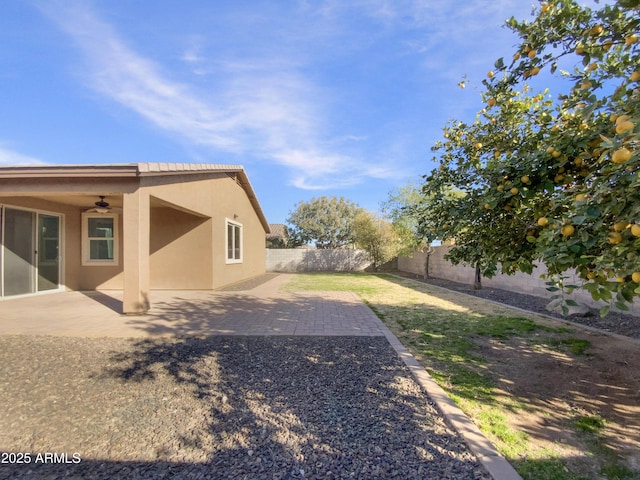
[(326, 97)]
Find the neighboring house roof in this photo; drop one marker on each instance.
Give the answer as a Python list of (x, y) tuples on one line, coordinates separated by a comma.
[(278, 230), (137, 170)]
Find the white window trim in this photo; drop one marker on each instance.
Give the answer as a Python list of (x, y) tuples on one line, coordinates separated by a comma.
[(86, 261), (233, 223)]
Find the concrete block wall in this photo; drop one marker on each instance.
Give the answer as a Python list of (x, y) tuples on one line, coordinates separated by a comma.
[(519, 282), (315, 260)]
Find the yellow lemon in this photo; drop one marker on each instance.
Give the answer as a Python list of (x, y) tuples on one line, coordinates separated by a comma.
[(543, 221), (615, 238), (621, 155), (597, 30), (635, 276), (635, 230), (620, 118), (620, 226), (624, 126), (568, 230)]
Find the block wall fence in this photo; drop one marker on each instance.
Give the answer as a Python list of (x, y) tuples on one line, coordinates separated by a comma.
[(519, 282), (316, 260)]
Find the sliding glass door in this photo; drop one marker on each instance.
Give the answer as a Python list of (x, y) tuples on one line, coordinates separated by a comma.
[(48, 255), (30, 252), (19, 252)]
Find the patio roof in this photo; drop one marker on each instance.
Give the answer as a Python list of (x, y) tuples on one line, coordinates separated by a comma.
[(136, 170)]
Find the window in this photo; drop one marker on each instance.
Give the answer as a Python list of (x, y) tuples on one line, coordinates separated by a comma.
[(234, 242), (99, 239)]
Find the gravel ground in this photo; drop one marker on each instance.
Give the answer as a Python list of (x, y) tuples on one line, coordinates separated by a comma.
[(220, 407), (614, 322)]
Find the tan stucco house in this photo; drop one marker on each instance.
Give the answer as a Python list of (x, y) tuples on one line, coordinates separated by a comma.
[(131, 227)]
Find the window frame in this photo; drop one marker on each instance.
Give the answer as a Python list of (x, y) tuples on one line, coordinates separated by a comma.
[(86, 240), (235, 236)]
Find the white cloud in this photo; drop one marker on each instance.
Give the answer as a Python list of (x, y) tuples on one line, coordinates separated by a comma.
[(262, 107), (9, 157), (260, 95)]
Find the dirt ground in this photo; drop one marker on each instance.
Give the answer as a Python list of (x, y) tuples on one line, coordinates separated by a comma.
[(604, 382), (558, 388)]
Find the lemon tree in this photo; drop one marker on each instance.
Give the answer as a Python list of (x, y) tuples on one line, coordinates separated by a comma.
[(552, 176)]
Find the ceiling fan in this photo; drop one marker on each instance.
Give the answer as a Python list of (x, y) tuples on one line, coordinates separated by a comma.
[(101, 206)]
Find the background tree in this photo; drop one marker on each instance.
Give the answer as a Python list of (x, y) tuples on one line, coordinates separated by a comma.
[(324, 221), (400, 207), (552, 179), (376, 236)]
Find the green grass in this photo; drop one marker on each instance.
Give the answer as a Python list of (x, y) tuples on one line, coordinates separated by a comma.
[(494, 421), (593, 424), (447, 336), (551, 468), (336, 282), (616, 471), (578, 346)]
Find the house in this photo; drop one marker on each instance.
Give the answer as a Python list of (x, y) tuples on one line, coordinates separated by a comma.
[(130, 227), (278, 237)]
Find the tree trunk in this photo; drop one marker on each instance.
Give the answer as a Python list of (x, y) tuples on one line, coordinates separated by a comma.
[(426, 266), (477, 281)]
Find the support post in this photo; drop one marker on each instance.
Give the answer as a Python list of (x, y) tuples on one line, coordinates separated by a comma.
[(136, 232)]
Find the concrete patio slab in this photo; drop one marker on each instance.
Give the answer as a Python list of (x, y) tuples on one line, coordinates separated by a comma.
[(263, 310)]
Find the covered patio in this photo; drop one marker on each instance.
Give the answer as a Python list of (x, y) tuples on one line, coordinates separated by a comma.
[(128, 227)]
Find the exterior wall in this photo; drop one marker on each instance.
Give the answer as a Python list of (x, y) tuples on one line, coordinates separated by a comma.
[(71, 261), (212, 199), (312, 260), (96, 277), (188, 224), (232, 203), (75, 276), (519, 282), (175, 237)]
